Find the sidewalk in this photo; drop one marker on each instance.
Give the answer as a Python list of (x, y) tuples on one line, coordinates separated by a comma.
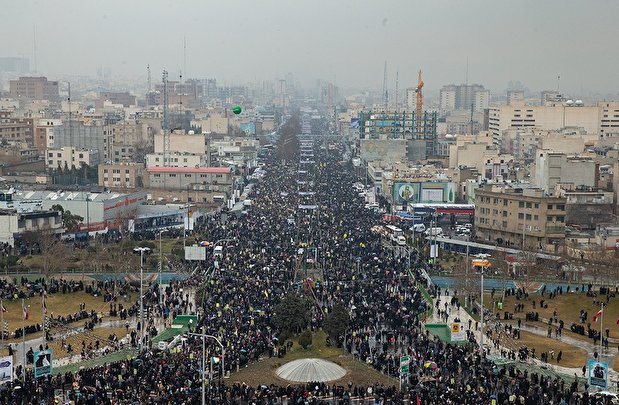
[(109, 323), (464, 317)]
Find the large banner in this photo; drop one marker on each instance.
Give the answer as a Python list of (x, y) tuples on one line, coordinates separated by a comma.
[(43, 363), (6, 369), (598, 374)]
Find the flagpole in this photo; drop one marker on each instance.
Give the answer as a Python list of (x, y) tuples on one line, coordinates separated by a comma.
[(23, 335), (601, 327), (2, 321), (43, 313)]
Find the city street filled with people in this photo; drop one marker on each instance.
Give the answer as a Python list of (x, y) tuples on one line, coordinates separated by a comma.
[(381, 287)]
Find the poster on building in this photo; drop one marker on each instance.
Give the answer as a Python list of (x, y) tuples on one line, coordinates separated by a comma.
[(6, 369), (458, 334), (405, 192), (597, 374), (43, 363)]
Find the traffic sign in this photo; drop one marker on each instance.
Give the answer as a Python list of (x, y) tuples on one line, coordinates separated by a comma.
[(405, 364)]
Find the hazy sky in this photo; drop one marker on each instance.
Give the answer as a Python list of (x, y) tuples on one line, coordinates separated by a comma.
[(348, 41)]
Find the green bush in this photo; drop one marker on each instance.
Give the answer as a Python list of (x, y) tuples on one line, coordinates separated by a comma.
[(148, 244), (305, 339)]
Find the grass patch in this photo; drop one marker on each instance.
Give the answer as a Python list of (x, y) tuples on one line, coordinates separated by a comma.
[(568, 306), (57, 304), (263, 371), (572, 356)]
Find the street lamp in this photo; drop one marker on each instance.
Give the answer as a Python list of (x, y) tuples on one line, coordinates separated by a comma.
[(482, 256), (204, 336), (141, 250)]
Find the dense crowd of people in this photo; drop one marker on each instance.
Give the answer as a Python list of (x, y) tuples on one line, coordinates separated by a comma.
[(259, 267)]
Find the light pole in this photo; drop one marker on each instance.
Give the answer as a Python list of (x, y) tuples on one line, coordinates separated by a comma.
[(484, 257), (160, 267), (141, 250), (204, 336)]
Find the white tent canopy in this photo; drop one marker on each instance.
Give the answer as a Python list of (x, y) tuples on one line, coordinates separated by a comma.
[(310, 370)]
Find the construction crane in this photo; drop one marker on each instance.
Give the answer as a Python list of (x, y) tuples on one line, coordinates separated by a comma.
[(419, 105)]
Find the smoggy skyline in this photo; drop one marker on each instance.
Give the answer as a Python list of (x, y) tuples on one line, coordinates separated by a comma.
[(346, 42)]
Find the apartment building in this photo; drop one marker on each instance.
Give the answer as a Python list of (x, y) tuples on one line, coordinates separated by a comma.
[(552, 168), (70, 157), (121, 175), (601, 119), (34, 88), (181, 178), (515, 216)]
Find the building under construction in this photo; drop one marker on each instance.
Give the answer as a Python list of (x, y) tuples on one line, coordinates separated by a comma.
[(417, 126)]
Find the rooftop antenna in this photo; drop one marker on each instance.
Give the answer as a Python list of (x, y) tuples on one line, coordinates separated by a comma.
[(166, 132), (185, 55), (558, 83), (70, 123), (34, 44), (385, 89), (149, 80), (466, 77), (397, 78)]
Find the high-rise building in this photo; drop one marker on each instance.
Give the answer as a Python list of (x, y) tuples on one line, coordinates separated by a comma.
[(34, 88), (14, 64), (463, 97), (515, 97)]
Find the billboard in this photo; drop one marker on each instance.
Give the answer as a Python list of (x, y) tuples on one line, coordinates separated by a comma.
[(195, 252), (43, 363), (6, 369), (423, 192), (403, 192), (597, 374)]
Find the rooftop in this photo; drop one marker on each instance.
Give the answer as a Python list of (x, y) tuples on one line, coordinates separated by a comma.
[(212, 170)]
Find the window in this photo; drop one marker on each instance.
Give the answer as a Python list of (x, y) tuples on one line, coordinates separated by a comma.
[(104, 170), (81, 156), (529, 205), (528, 217), (520, 204), (127, 171), (172, 175), (504, 224), (536, 217), (536, 205), (550, 206), (187, 175), (505, 203), (549, 218), (504, 213), (50, 155), (561, 207), (560, 219), (520, 215)]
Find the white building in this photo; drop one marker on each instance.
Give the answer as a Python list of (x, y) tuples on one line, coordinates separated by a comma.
[(70, 157), (602, 119), (176, 160), (552, 168)]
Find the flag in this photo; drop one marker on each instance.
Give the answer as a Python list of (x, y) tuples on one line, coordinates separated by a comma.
[(44, 307), (3, 308), (24, 312), (597, 315)]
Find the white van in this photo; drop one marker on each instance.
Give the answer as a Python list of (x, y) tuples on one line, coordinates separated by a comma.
[(218, 251), (401, 240), (418, 228), (434, 231)]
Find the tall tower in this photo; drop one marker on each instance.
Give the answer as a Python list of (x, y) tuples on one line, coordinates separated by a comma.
[(166, 129)]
